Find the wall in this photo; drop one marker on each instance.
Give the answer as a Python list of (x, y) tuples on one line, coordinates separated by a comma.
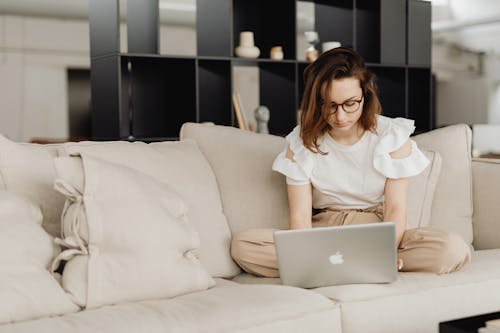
[(35, 54)]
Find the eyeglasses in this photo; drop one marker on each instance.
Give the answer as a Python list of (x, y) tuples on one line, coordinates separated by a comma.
[(349, 106)]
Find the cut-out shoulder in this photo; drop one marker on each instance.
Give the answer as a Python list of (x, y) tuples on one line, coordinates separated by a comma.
[(289, 154), (403, 151)]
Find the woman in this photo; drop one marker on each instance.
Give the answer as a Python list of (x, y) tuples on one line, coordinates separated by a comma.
[(352, 164)]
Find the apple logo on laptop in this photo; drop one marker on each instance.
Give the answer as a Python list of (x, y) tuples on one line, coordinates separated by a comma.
[(337, 258)]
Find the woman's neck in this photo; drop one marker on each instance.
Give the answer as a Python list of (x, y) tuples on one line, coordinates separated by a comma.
[(350, 137)]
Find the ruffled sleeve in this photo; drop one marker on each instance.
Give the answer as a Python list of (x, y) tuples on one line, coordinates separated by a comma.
[(298, 172), (393, 136)]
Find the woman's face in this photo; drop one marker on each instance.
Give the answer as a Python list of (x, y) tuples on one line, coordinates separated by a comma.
[(346, 106)]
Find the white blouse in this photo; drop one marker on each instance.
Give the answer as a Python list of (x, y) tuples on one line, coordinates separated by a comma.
[(352, 177)]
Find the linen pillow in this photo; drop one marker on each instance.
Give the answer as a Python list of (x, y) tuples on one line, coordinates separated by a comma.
[(452, 203), (421, 191), (182, 166), (27, 289), (135, 242), (28, 169)]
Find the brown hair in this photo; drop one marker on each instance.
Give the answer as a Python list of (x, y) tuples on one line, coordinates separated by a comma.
[(338, 63)]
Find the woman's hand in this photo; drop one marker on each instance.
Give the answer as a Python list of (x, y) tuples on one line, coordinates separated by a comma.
[(400, 264)]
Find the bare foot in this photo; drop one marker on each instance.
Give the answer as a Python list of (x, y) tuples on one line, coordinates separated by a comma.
[(400, 264)]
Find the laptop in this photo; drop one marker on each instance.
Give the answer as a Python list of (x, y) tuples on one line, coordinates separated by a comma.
[(319, 257)]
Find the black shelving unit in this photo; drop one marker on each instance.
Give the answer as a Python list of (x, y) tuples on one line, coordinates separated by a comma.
[(142, 95)]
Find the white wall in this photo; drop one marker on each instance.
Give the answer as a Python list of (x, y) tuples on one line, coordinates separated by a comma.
[(35, 54)]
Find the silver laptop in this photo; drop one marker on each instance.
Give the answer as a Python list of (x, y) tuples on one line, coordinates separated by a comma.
[(318, 257)]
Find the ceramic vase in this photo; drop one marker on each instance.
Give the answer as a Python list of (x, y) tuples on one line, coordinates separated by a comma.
[(247, 48)]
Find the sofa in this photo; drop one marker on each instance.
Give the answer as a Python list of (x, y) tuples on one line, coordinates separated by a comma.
[(73, 274)]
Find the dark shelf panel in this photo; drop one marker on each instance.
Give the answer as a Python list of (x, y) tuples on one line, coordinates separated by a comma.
[(161, 95), (213, 28), (334, 20), (419, 32), (277, 92), (214, 92), (391, 86), (419, 98), (368, 29)]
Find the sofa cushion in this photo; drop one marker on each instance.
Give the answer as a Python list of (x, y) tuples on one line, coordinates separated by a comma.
[(228, 307), (185, 169), (27, 289), (486, 217), (452, 204), (135, 242), (28, 169), (253, 196), (246, 161), (420, 300), (421, 191)]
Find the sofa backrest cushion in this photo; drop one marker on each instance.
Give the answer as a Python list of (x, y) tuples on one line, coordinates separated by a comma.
[(138, 243), (421, 191), (182, 166), (452, 204), (28, 169), (27, 288), (254, 196)]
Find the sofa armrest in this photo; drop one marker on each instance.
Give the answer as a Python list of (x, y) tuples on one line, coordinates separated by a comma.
[(486, 194)]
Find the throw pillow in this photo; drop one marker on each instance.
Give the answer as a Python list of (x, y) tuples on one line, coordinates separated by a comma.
[(182, 166), (27, 289), (135, 241), (28, 169), (421, 192), (452, 203)]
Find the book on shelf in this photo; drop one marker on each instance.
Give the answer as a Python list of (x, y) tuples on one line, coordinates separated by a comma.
[(239, 111)]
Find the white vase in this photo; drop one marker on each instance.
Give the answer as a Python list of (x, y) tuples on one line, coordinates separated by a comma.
[(247, 49)]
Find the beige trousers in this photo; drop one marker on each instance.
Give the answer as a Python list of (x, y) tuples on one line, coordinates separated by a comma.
[(425, 249)]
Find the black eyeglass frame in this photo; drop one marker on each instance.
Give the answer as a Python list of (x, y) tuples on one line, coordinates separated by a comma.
[(343, 108)]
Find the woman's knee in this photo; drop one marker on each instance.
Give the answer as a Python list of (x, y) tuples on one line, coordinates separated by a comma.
[(453, 254), (249, 240)]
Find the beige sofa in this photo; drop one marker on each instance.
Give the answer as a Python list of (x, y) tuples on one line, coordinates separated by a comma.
[(251, 196)]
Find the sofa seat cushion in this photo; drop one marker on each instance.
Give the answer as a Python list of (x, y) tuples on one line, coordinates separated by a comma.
[(417, 302), (228, 307)]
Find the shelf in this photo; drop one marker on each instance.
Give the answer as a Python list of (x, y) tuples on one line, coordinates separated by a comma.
[(391, 86), (334, 20), (368, 29), (419, 98), (419, 33), (158, 107), (214, 91), (277, 92), (275, 24), (144, 95)]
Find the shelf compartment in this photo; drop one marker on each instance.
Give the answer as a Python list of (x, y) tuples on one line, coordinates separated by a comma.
[(213, 28), (341, 13), (419, 98), (380, 31), (158, 94), (272, 22), (301, 67), (214, 91), (278, 93), (368, 29), (108, 121), (419, 33), (391, 87)]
